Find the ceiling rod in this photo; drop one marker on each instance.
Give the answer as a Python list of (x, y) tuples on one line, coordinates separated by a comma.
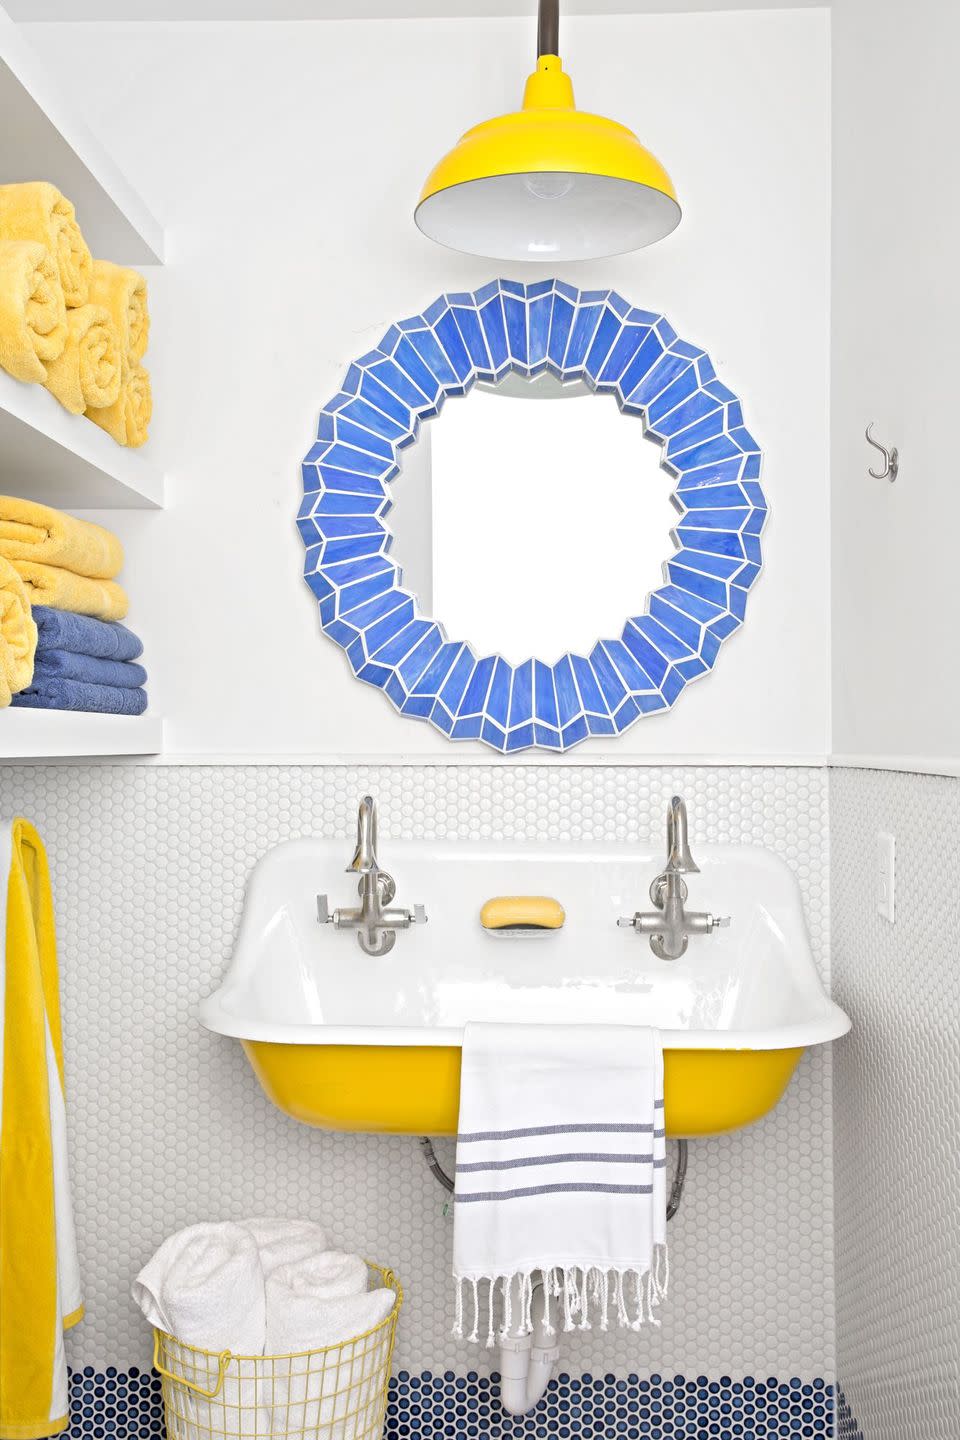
[(548, 28)]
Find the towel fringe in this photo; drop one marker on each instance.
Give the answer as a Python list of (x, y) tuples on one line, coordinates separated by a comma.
[(582, 1294), (476, 1312), (458, 1310)]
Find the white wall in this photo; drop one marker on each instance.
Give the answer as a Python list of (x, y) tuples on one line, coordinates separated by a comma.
[(896, 293), (896, 1114), (896, 692), (285, 159), (169, 1125)]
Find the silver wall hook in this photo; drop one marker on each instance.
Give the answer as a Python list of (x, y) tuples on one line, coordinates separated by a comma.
[(891, 459)]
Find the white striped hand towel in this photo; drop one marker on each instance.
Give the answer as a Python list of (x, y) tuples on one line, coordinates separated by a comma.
[(561, 1173)]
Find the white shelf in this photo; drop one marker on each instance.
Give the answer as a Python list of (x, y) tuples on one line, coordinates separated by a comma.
[(42, 138), (39, 734), (46, 453), (65, 460)]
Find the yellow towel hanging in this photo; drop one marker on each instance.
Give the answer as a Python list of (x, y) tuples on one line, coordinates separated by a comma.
[(39, 1276)]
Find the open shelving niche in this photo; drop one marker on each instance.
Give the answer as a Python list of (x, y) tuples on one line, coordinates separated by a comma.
[(58, 458)]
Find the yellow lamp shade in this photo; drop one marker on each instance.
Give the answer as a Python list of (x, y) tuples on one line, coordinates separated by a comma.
[(549, 182)]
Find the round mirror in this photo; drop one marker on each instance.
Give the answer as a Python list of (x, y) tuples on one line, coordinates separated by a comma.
[(568, 518), (530, 569)]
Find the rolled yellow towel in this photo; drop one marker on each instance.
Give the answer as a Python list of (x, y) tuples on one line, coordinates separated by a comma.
[(88, 371), (18, 634), (128, 417), (35, 210), (49, 585), (33, 326), (124, 293), (29, 531)]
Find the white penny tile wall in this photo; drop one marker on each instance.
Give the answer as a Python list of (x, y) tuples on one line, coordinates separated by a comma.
[(897, 1111), (169, 1125)]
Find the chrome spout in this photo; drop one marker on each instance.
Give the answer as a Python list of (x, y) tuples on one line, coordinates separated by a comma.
[(679, 859), (364, 861)]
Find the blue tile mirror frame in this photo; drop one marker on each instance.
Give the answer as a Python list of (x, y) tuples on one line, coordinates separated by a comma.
[(594, 337)]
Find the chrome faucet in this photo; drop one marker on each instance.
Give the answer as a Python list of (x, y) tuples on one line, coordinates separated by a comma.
[(375, 925), (670, 925)]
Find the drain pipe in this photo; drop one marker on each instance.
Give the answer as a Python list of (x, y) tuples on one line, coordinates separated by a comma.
[(526, 1361)]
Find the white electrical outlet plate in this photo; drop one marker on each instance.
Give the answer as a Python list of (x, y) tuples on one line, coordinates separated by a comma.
[(886, 875)]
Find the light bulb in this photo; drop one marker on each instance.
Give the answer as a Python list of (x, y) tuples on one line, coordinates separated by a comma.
[(548, 186)]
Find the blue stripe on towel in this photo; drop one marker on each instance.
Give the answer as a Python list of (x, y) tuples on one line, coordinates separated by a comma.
[(62, 630), (579, 1157), (599, 1128), (52, 693), (580, 1186), (68, 665)]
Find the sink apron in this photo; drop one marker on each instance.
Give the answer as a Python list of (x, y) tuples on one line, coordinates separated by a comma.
[(415, 1089)]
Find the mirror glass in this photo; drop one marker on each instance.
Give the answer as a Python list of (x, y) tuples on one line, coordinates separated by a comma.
[(532, 518)]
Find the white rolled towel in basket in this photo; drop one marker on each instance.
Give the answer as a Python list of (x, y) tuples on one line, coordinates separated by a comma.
[(205, 1286), (285, 1242), (317, 1305), (261, 1289)]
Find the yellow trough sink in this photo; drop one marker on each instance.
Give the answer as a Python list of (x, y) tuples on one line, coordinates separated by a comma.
[(415, 1089), (345, 1040)]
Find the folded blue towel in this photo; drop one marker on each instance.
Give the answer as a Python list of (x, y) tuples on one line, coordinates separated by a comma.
[(62, 630), (53, 693), (68, 665)]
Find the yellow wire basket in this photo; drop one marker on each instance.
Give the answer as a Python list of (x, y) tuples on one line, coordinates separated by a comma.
[(338, 1393)]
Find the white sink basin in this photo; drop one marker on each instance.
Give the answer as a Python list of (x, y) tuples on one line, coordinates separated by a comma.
[(347, 1041)]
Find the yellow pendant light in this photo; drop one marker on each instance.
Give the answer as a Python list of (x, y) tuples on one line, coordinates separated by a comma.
[(548, 182)]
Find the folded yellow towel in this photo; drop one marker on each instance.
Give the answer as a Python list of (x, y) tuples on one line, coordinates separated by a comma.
[(29, 531), (128, 417), (35, 210), (88, 371), (18, 634), (124, 293), (40, 1293), (49, 585), (32, 316)]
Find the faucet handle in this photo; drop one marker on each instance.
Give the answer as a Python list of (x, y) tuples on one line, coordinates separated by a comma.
[(323, 911), (720, 922)]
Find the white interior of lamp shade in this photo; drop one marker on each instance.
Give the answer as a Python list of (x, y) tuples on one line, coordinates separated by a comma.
[(547, 216)]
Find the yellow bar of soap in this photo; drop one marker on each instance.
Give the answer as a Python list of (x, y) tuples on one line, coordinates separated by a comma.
[(540, 910)]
